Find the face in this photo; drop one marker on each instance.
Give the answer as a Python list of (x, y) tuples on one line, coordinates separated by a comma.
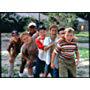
[(32, 29), (26, 38), (42, 33), (15, 36), (69, 36), (53, 31), (61, 34)]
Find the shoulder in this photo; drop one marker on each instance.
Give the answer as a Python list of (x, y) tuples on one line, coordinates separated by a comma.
[(24, 46), (47, 38), (60, 40), (75, 39)]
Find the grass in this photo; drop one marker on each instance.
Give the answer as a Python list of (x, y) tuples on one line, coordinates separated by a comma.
[(83, 37), (82, 34), (84, 52)]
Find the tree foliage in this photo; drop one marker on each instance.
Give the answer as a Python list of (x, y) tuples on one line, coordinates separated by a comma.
[(62, 19), (84, 15), (12, 21)]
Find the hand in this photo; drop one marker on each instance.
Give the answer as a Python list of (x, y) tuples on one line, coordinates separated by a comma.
[(52, 44), (29, 62), (52, 65), (38, 37), (11, 60), (77, 62), (13, 39)]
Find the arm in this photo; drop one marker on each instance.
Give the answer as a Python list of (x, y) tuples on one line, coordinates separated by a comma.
[(74, 41), (12, 41), (9, 48), (25, 57), (49, 46), (52, 59), (35, 35), (77, 57), (24, 51), (39, 44)]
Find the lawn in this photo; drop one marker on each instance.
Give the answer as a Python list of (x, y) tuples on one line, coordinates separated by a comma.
[(83, 37), (82, 34), (84, 52)]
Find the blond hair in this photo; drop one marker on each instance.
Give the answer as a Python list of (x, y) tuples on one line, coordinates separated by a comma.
[(69, 30), (23, 34)]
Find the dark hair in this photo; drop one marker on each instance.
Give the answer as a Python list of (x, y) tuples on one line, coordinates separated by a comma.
[(42, 27), (61, 29)]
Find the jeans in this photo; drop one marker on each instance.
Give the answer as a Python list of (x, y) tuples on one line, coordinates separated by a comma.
[(56, 73), (40, 65), (48, 70)]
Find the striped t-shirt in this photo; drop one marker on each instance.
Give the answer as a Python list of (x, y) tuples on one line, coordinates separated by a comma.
[(66, 50)]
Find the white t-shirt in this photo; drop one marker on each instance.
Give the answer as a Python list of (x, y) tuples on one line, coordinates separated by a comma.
[(47, 42), (41, 54)]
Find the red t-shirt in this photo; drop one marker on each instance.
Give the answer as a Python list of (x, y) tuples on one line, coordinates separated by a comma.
[(39, 42)]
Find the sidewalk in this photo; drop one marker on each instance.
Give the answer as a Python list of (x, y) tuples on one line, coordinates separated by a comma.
[(84, 45)]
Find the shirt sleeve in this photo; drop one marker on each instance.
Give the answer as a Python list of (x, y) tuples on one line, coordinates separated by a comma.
[(46, 41), (23, 49), (39, 44)]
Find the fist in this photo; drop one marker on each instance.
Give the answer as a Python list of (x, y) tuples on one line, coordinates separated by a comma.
[(52, 66)]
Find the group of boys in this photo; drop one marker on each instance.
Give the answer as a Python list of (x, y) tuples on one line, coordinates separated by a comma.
[(44, 52)]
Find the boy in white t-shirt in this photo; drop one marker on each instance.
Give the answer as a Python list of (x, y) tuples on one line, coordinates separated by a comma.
[(49, 44)]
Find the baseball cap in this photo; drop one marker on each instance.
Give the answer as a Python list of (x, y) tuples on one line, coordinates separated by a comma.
[(31, 24)]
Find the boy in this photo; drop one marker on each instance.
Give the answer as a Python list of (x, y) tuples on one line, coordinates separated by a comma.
[(65, 49), (40, 63), (29, 53), (49, 44), (32, 30), (13, 50), (61, 32)]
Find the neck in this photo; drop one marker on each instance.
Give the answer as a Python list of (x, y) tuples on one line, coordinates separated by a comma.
[(53, 37), (30, 42)]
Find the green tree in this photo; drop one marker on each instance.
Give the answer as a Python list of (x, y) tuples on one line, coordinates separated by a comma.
[(12, 21), (62, 19)]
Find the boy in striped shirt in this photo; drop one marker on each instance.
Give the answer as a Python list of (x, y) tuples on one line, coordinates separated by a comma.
[(66, 48)]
